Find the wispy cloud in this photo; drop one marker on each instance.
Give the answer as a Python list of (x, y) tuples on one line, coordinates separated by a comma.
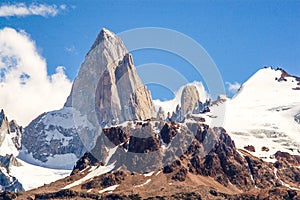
[(233, 87), (71, 49), (26, 89), (23, 10)]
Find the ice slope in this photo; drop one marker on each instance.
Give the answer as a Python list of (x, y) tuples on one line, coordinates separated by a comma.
[(262, 114), (7, 146), (33, 176), (30, 176)]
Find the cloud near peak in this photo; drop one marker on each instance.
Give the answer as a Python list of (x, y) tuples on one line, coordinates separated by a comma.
[(233, 87), (26, 90), (22, 10)]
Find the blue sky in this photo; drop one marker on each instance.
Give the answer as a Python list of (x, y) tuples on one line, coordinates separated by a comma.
[(240, 36)]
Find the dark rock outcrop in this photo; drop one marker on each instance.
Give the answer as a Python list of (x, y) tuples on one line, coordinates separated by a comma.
[(250, 148), (8, 182), (8, 161), (180, 175), (143, 145), (116, 135), (168, 131), (288, 168), (172, 167), (87, 160), (262, 172)]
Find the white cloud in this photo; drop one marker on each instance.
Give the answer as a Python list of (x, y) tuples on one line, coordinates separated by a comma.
[(26, 90), (233, 87), (22, 10)]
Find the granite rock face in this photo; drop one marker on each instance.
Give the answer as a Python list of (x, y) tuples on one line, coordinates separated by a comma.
[(190, 103), (109, 85), (11, 130), (189, 99)]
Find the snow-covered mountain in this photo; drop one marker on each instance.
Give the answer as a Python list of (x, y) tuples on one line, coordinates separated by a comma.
[(264, 113), (16, 174), (109, 108), (52, 140)]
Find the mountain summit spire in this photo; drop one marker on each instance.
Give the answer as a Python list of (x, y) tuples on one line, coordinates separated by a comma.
[(109, 84), (103, 35)]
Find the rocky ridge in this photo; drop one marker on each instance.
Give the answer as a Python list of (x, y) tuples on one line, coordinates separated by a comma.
[(224, 172)]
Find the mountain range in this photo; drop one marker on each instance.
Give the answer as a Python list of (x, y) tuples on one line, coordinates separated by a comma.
[(111, 140)]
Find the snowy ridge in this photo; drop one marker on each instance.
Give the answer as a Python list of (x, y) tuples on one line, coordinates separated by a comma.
[(263, 113)]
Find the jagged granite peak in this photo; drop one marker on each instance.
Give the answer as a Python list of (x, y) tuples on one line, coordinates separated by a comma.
[(4, 126), (104, 34), (16, 131), (190, 99), (161, 114), (105, 52), (107, 90), (11, 130), (2, 116), (8, 161), (109, 85)]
